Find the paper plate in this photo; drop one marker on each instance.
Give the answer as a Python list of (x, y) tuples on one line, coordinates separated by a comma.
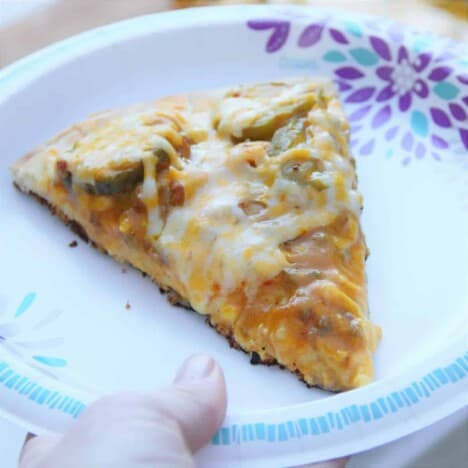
[(66, 334)]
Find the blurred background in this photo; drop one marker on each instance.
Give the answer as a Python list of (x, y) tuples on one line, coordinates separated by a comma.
[(27, 25)]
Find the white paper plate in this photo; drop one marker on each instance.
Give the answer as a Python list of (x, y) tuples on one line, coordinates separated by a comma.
[(65, 334)]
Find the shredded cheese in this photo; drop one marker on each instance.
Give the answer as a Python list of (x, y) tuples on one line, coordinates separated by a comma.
[(222, 178)]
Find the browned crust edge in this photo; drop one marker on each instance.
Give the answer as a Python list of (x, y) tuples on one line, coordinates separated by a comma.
[(172, 296)]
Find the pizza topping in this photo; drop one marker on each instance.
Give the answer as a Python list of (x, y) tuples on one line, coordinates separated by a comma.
[(237, 200), (353, 323), (116, 182), (299, 171), (252, 207), (62, 173), (303, 276), (163, 160), (177, 193), (320, 181), (61, 166), (150, 197), (288, 136), (265, 125), (245, 204), (256, 112), (261, 167)]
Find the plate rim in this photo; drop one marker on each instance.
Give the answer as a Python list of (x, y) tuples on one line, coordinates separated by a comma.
[(31, 67)]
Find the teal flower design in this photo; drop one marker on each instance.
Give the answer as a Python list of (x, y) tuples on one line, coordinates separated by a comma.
[(24, 339)]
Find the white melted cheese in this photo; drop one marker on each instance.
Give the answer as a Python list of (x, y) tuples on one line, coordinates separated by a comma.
[(237, 113), (211, 241), (119, 140)]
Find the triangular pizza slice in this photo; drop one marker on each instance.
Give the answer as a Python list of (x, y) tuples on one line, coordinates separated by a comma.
[(243, 203)]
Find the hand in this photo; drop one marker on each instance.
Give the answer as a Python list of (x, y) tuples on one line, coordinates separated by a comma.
[(133, 430), (140, 430)]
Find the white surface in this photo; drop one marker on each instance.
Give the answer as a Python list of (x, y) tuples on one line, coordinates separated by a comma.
[(290, 396)]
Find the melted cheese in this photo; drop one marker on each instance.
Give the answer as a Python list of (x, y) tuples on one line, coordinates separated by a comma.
[(112, 142), (263, 236), (211, 241), (239, 207)]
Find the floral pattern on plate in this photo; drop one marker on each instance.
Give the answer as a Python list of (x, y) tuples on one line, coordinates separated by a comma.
[(383, 80), (25, 338)]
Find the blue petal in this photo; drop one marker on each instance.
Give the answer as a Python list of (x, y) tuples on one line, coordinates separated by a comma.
[(446, 90), (364, 56), (353, 28), (334, 56), (419, 123), (24, 306), (51, 361)]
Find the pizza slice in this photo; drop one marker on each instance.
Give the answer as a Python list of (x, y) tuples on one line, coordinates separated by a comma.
[(243, 204)]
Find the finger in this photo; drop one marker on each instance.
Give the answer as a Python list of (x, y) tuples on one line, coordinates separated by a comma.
[(196, 400), (35, 449), (28, 437), (126, 430), (336, 463)]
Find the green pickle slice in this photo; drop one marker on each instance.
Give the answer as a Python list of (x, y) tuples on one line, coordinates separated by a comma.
[(267, 124), (115, 182)]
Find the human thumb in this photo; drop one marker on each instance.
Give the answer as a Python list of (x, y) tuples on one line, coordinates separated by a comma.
[(196, 400), (129, 430)]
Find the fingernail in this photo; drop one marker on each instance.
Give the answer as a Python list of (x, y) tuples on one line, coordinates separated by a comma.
[(196, 367)]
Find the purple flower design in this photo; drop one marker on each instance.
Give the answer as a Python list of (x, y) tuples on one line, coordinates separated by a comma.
[(403, 79), (382, 81), (279, 35), (310, 35), (406, 79)]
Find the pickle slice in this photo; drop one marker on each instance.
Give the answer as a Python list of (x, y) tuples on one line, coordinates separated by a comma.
[(288, 136), (123, 180), (267, 124), (120, 181), (299, 171)]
